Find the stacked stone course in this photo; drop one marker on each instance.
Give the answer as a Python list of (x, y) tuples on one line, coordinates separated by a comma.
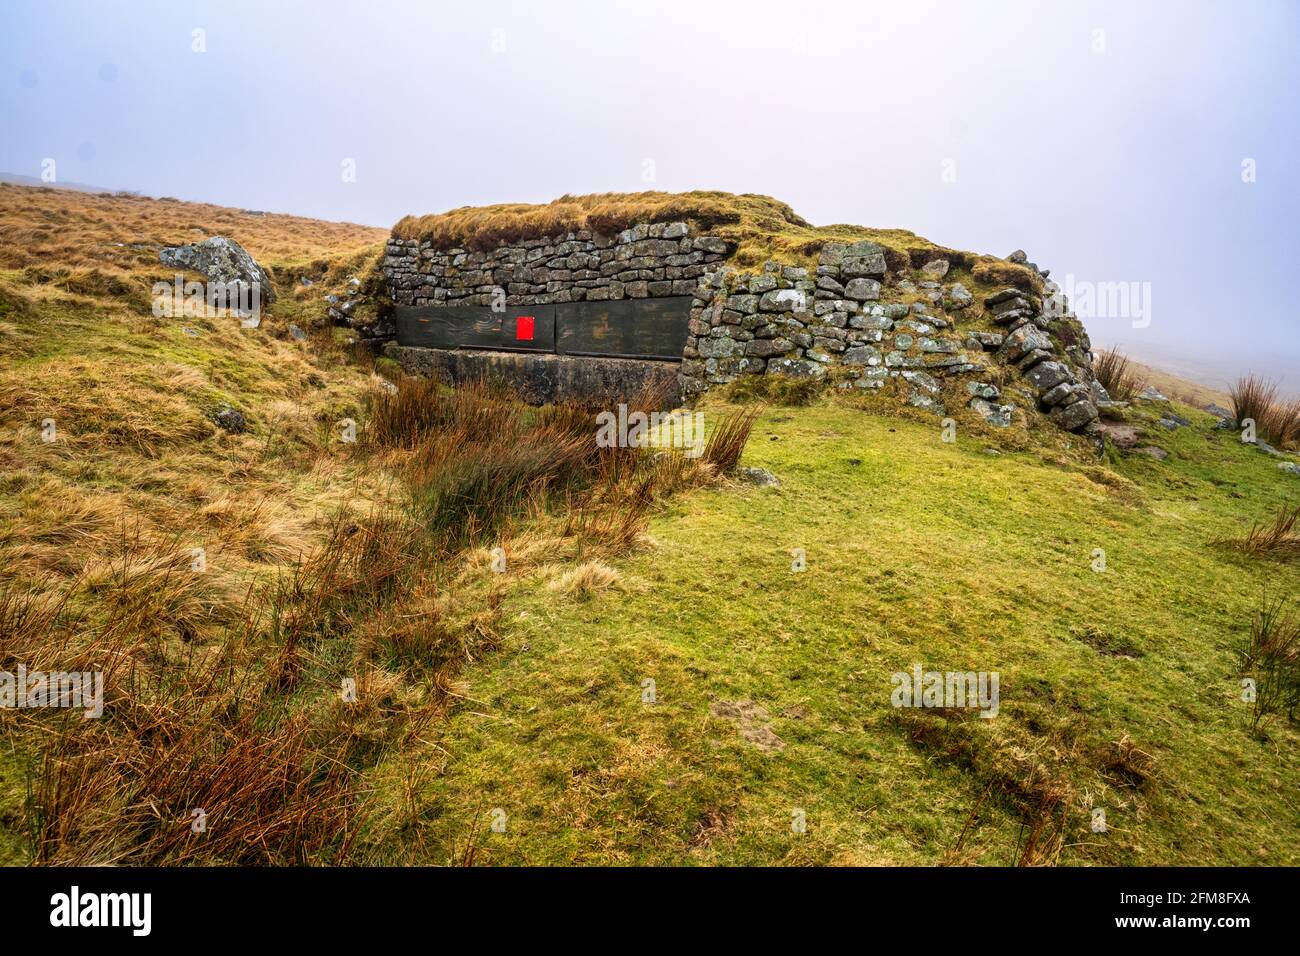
[(647, 260), (847, 320)]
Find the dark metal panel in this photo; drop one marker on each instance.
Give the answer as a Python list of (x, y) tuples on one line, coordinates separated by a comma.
[(523, 329), (624, 328)]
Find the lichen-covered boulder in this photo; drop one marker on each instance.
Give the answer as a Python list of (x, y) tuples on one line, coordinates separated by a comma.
[(1076, 416), (221, 260), (1047, 375), (863, 259), (999, 416), (1022, 342)]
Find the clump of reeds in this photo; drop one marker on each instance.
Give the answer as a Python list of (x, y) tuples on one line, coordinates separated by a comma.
[(1276, 420), (1270, 656), (1117, 375), (1276, 538)]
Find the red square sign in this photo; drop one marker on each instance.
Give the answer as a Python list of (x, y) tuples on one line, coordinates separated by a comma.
[(524, 328)]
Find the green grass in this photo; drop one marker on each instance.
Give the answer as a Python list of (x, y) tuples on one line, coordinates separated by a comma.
[(917, 552), (14, 775), (920, 552)]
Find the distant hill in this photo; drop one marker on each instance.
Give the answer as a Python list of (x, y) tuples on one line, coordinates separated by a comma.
[(1218, 373), (18, 180)]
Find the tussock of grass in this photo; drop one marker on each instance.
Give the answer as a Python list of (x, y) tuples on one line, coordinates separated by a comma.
[(1278, 538), (780, 390), (991, 272), (130, 790), (155, 592), (461, 492), (1271, 655), (727, 442), (1276, 420), (1116, 375), (588, 578), (26, 619), (421, 407)]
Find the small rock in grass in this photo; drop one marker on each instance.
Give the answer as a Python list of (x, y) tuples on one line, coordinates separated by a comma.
[(1151, 451), (231, 419), (759, 476), (959, 297)]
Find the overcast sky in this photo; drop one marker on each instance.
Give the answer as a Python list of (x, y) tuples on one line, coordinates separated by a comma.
[(1112, 141)]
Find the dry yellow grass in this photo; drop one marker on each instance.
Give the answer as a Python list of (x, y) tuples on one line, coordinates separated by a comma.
[(586, 579), (761, 227), (132, 396), (59, 229), (248, 570)]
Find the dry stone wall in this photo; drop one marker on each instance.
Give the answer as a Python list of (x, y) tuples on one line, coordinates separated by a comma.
[(660, 259), (852, 321)]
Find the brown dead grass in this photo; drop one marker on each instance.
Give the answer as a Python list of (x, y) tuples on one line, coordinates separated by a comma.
[(223, 684), (758, 227), (990, 271), (1276, 419), (97, 243), (1117, 375), (1278, 538)]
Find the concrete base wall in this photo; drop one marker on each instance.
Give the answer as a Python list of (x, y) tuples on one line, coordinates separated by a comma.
[(542, 379)]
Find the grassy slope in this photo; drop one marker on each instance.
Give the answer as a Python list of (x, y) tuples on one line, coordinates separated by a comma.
[(1192, 393), (923, 552), (132, 394)]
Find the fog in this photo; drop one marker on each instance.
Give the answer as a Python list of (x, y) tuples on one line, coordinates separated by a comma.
[(1144, 143)]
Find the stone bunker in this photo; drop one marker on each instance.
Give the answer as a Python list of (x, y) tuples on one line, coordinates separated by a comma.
[(606, 317), (574, 316)]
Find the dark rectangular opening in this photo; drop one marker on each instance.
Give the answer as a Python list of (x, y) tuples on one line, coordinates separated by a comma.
[(517, 329), (623, 328)]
